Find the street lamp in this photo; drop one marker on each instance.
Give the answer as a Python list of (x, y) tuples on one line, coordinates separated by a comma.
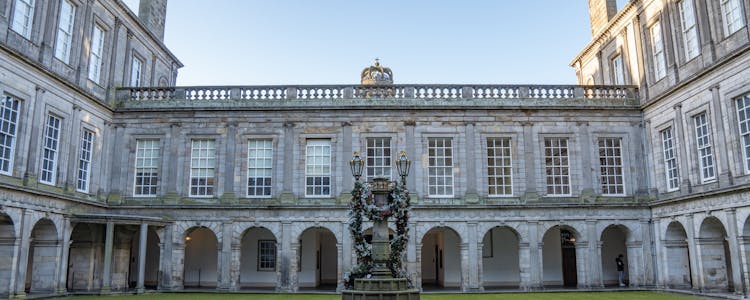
[(356, 165), (403, 164)]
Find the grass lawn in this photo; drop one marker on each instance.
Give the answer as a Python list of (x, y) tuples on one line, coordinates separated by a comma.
[(505, 296)]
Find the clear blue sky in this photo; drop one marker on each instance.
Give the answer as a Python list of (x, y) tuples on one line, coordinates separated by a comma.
[(253, 42)]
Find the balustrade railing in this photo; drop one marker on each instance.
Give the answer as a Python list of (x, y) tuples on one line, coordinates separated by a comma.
[(418, 91)]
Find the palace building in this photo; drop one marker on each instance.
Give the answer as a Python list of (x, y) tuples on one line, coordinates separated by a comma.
[(113, 179)]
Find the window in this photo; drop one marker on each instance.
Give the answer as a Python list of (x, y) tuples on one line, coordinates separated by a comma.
[(146, 167), (259, 166), (731, 12), (670, 160), (499, 169), (440, 167), (689, 29), (23, 17), (618, 71), (95, 55), (266, 255), (202, 164), (48, 173), (378, 160), (318, 168), (657, 52), (703, 142), (610, 164), (65, 31), (135, 71), (8, 127), (84, 161), (743, 120), (557, 166)]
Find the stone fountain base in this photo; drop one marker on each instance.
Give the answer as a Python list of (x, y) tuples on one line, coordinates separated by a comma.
[(380, 289)]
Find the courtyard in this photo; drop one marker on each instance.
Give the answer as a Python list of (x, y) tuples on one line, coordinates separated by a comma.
[(502, 296)]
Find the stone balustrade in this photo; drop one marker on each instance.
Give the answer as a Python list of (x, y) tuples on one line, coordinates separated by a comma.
[(415, 91)]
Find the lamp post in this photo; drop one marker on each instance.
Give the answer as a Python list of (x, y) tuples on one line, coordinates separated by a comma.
[(402, 165)]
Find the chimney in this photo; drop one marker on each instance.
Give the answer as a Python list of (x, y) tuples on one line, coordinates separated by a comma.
[(153, 13), (600, 12)]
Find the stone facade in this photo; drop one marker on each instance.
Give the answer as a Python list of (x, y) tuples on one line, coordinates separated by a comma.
[(526, 187)]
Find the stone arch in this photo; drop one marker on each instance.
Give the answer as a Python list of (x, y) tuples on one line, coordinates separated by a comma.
[(241, 228), (201, 260), (258, 258), (457, 228), (501, 264), (677, 256), (440, 258), (7, 247), (43, 258), (614, 239), (714, 255), (299, 228), (561, 256), (318, 258)]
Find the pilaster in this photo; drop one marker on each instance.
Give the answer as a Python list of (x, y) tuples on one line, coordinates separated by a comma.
[(107, 267)]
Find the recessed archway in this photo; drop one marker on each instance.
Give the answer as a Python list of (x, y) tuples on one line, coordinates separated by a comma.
[(258, 261), (441, 259), (86, 257), (677, 262), (43, 251), (559, 259), (7, 242), (500, 259), (317, 260), (153, 260), (613, 242), (714, 249), (201, 259)]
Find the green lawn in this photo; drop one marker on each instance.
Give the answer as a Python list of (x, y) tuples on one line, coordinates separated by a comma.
[(505, 296)]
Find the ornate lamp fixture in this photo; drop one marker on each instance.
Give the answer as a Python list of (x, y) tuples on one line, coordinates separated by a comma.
[(402, 165), (356, 165)]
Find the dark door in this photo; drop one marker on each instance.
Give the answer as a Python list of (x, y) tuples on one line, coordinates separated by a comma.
[(570, 276)]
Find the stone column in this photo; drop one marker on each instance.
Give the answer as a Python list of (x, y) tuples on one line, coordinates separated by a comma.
[(695, 254), (635, 263), (524, 266), (346, 181), (464, 250), (166, 281), (734, 247), (660, 250), (474, 260), (582, 258), (287, 255), (171, 152), (225, 255), (36, 128), (411, 253), (595, 263), (532, 193), (234, 269), (346, 251), (107, 268), (418, 273), (587, 180), (536, 250), (287, 193), (722, 161), (411, 149), (648, 263), (340, 269), (228, 194), (480, 266), (21, 257), (471, 146), (142, 240), (62, 278), (680, 140), (294, 268), (599, 282)]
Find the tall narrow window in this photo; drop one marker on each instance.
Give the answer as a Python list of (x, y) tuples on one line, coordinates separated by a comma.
[(8, 127), (147, 156), (618, 70), (84, 161), (65, 31), (689, 29), (705, 152), (48, 173), (743, 121), (318, 168), (378, 158), (135, 71), (95, 56), (440, 167), (731, 12), (499, 169), (670, 160), (202, 167), (23, 17), (259, 164), (557, 167), (610, 164), (266, 255), (657, 52)]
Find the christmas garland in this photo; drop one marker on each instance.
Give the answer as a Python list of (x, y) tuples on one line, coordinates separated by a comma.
[(362, 205)]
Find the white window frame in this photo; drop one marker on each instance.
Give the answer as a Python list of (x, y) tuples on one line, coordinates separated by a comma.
[(64, 41), (378, 162), (731, 14), (657, 51), (147, 160), (743, 124), (50, 150), (96, 53), (9, 112), (440, 178), (499, 166), (704, 147), (318, 156), (611, 166), (23, 17), (671, 163), (83, 178), (136, 67), (259, 166), (618, 70), (202, 168), (267, 255), (689, 29), (557, 166)]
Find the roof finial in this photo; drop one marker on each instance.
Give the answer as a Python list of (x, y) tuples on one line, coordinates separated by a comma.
[(377, 62)]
